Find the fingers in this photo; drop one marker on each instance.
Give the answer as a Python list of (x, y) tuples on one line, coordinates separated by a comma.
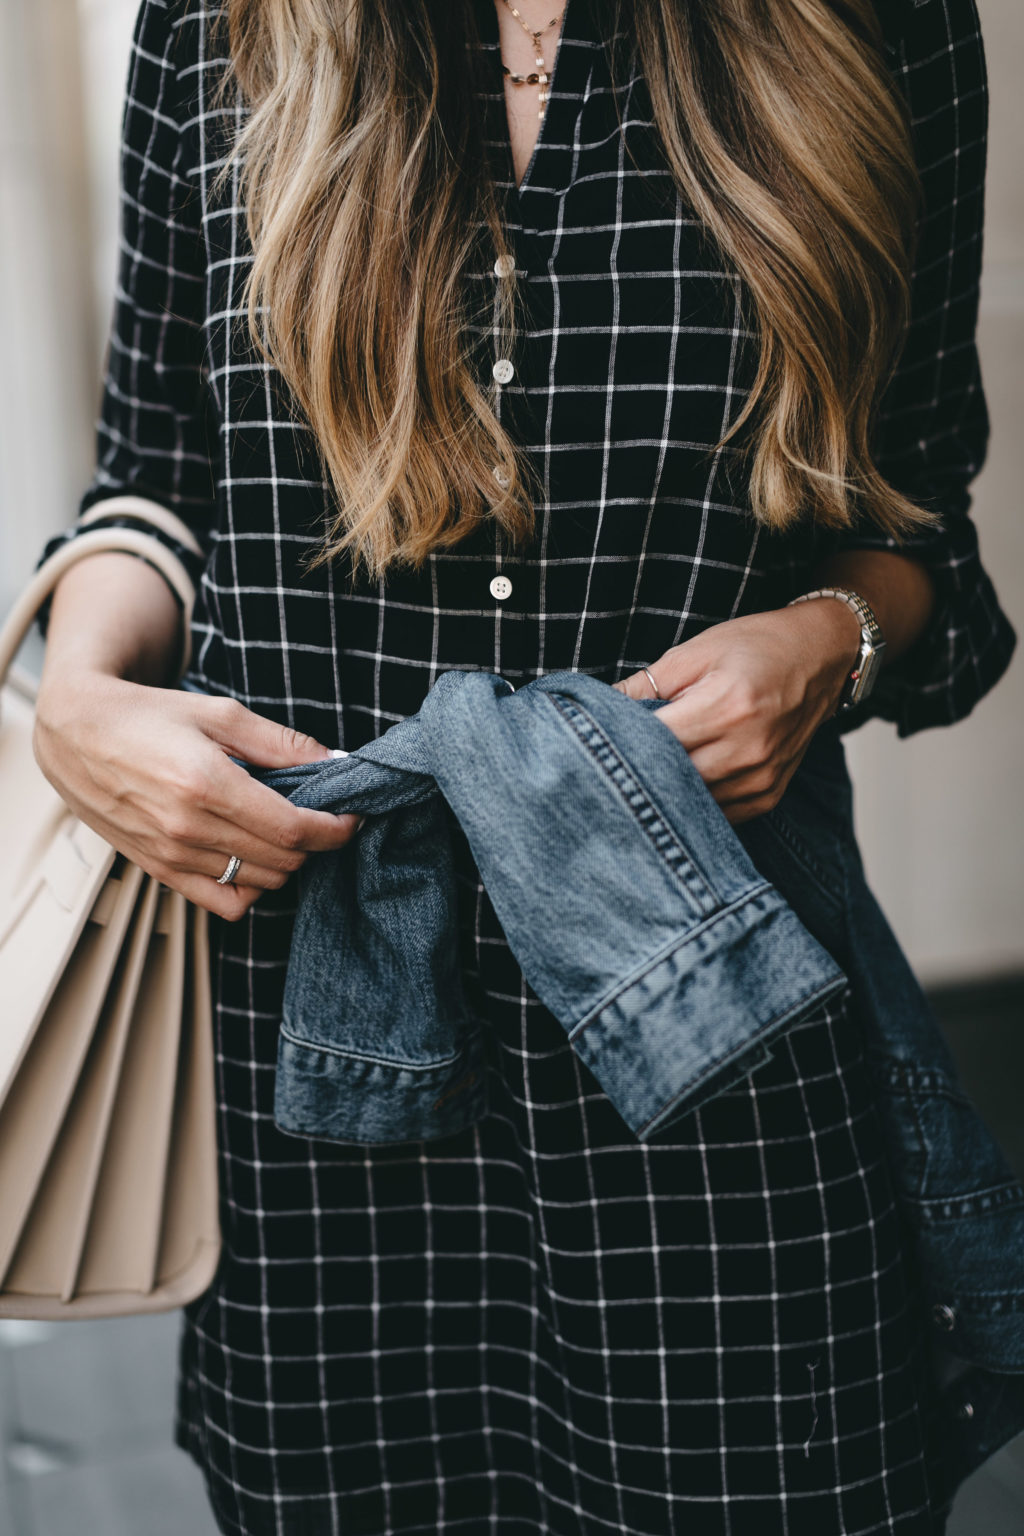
[(218, 791), (196, 872), (189, 851), (155, 780), (638, 686), (683, 667), (686, 677), (200, 831), (181, 863), (230, 902), (226, 790), (268, 874), (731, 785), (745, 809), (703, 714), (212, 865), (254, 737), (677, 669), (743, 789)]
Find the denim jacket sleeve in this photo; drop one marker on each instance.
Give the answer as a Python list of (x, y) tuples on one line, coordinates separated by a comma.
[(626, 897)]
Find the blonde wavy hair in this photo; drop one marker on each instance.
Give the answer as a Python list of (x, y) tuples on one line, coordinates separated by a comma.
[(365, 180)]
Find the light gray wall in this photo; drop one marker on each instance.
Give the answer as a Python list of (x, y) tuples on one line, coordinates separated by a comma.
[(47, 382), (939, 815)]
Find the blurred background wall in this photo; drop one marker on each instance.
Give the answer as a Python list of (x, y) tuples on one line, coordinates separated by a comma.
[(48, 258)]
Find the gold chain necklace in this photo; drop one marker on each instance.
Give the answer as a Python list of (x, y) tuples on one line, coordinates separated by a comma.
[(541, 76)]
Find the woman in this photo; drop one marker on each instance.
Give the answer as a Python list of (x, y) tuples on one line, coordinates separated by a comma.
[(589, 364)]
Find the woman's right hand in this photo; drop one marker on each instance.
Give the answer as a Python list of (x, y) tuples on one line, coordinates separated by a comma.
[(150, 770)]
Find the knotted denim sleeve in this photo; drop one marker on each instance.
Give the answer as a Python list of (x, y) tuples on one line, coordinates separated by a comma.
[(626, 897)]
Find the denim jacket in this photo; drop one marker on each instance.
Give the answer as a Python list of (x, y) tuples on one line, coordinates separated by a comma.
[(633, 910), (670, 947)]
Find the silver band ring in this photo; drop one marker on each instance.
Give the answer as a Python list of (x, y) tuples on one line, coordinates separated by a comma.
[(650, 679), (228, 877)]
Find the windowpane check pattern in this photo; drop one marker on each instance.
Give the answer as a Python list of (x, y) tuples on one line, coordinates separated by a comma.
[(541, 1326)]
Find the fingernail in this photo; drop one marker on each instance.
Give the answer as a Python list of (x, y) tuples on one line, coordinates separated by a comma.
[(337, 752)]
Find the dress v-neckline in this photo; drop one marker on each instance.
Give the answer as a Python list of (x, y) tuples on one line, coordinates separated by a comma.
[(491, 37)]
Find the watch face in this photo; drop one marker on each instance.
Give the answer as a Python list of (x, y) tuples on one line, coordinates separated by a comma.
[(864, 679)]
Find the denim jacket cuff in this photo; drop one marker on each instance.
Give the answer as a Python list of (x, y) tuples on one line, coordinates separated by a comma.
[(701, 1014), (346, 1096)]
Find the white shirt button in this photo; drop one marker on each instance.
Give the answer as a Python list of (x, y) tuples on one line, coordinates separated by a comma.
[(501, 588), (504, 266), (503, 371), (502, 476)]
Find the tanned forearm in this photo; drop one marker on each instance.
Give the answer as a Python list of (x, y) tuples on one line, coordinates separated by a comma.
[(899, 590), (112, 614)]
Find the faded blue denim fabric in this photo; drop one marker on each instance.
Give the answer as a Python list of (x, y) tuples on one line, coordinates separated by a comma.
[(672, 948), (626, 898)]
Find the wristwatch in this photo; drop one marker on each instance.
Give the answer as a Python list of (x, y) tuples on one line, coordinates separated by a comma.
[(872, 644)]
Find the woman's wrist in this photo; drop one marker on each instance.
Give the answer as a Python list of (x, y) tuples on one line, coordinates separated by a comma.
[(830, 640)]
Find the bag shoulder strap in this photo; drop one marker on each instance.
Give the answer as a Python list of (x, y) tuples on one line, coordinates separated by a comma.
[(143, 511)]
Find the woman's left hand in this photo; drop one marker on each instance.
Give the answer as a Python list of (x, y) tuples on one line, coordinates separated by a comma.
[(746, 696)]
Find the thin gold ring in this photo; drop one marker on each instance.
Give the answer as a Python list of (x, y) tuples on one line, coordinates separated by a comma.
[(650, 679)]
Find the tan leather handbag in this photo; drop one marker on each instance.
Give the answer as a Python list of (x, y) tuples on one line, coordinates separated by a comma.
[(108, 1174)]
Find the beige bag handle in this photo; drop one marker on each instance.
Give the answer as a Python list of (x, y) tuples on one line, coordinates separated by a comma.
[(144, 511), (96, 541)]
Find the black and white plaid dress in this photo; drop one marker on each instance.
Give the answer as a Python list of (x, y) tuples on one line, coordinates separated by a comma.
[(541, 1326)]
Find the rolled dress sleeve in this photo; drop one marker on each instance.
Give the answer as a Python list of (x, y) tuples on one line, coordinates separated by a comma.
[(155, 431), (933, 423)]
